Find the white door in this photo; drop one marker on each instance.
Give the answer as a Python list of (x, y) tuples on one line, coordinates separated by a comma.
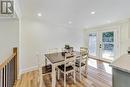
[(102, 44), (107, 45), (92, 37)]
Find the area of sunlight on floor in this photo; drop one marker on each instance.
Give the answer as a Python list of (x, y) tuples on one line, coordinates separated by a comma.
[(107, 68), (92, 62)]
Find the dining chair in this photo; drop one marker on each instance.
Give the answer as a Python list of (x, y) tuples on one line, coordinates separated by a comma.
[(82, 60), (67, 67), (42, 69)]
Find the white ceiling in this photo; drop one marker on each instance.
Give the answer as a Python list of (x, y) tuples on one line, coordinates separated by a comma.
[(59, 12)]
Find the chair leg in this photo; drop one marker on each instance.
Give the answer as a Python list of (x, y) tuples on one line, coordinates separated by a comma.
[(41, 81), (80, 73), (45, 61), (74, 77), (86, 70), (64, 80), (58, 74)]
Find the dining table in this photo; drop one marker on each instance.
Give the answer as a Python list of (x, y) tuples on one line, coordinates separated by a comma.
[(57, 59)]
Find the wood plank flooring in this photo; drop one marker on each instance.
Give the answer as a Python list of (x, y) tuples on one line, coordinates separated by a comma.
[(97, 77)]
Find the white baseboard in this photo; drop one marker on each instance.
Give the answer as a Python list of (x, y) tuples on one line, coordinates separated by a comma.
[(27, 70), (19, 76)]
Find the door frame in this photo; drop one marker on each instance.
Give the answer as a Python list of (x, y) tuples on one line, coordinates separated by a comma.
[(98, 31)]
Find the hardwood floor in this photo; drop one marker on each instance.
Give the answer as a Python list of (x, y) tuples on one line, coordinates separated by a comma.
[(99, 75)]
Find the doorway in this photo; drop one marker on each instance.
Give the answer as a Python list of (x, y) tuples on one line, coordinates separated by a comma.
[(103, 44)]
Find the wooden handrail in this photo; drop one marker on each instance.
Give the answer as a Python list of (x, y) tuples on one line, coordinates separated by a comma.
[(9, 70), (7, 61)]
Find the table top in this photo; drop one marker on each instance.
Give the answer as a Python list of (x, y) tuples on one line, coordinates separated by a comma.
[(58, 57)]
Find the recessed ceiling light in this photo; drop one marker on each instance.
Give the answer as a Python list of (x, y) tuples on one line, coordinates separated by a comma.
[(70, 22), (39, 14), (108, 21), (86, 26), (93, 12)]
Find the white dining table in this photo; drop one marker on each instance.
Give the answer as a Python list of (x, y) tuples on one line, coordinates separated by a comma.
[(57, 59)]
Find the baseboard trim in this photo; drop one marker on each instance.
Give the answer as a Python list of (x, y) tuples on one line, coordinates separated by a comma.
[(28, 70), (103, 60)]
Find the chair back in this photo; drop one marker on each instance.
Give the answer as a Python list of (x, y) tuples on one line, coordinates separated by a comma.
[(84, 53), (70, 59)]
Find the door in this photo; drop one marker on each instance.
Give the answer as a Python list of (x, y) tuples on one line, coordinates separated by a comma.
[(92, 44), (102, 44), (107, 45)]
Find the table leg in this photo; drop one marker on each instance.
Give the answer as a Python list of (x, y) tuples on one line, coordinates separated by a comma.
[(45, 61), (80, 69), (80, 73), (53, 76), (86, 72)]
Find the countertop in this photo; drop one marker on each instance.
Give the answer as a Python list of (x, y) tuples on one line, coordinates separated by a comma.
[(122, 63)]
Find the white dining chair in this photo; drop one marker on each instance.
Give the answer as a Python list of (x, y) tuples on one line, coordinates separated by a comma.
[(67, 67), (82, 61), (42, 69)]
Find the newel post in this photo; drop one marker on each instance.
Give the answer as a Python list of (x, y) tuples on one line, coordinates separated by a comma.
[(15, 51)]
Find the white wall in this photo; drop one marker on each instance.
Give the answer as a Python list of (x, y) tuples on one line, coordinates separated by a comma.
[(123, 30), (9, 37), (39, 36)]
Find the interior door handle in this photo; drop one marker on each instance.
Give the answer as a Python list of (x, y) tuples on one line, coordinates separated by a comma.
[(100, 46)]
